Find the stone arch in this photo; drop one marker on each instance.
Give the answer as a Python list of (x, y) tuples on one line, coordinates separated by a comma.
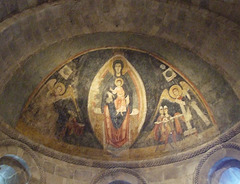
[(114, 174), (20, 149), (147, 163), (223, 168), (169, 28), (119, 182), (215, 154), (20, 170)]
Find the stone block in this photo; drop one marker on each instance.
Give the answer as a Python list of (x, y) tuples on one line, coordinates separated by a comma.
[(172, 172), (23, 4), (237, 88), (236, 139), (16, 49), (235, 14), (174, 181), (34, 181), (41, 1), (32, 2), (28, 159), (190, 166), (152, 174), (47, 35), (3, 135), (65, 172), (37, 35), (12, 150), (49, 167), (35, 172), (154, 30), (6, 56), (220, 7), (20, 152), (204, 4), (3, 151), (3, 10), (53, 179), (11, 6), (82, 175), (32, 38), (68, 181)]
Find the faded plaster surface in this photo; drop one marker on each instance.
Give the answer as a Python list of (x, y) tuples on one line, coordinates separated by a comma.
[(37, 36), (160, 110)]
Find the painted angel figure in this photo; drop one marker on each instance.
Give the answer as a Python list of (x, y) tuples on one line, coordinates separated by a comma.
[(183, 116)]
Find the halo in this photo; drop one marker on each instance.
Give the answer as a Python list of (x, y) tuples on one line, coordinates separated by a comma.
[(175, 87), (63, 89), (160, 109), (121, 58), (118, 79)]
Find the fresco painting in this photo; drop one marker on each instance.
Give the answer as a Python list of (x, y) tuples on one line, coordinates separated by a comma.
[(117, 101), (180, 122), (114, 103)]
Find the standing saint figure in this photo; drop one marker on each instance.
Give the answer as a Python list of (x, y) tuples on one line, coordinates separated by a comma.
[(117, 106), (158, 128), (164, 127)]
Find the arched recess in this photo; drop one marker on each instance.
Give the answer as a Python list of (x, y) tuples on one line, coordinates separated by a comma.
[(225, 171), (147, 163), (119, 182), (200, 29), (10, 146), (225, 152), (119, 174), (14, 169)]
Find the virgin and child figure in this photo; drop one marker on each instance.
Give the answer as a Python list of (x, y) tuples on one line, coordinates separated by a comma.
[(116, 107)]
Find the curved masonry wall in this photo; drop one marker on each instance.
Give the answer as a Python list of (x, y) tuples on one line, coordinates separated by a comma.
[(203, 33), (190, 171)]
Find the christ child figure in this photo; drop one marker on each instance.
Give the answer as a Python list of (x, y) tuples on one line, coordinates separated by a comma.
[(120, 101)]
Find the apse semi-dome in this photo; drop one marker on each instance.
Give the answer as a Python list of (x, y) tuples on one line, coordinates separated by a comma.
[(119, 104), (134, 91)]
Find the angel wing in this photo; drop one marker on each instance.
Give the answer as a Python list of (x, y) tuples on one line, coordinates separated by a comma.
[(185, 90), (47, 88), (50, 84), (70, 93), (164, 95)]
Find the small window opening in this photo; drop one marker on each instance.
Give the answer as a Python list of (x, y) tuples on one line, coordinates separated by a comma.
[(230, 176), (14, 170), (225, 171)]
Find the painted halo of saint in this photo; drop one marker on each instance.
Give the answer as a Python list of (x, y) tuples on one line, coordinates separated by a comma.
[(175, 91)]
